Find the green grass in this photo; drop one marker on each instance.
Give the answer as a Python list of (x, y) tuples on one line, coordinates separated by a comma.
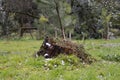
[(17, 62)]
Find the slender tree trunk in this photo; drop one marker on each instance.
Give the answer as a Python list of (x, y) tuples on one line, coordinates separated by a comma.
[(21, 31), (5, 24), (61, 26), (70, 35), (44, 29), (38, 33), (106, 31), (4, 30), (56, 33)]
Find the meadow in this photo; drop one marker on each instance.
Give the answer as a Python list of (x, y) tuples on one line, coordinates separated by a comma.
[(17, 62)]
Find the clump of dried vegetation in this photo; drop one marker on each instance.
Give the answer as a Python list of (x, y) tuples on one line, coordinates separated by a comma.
[(53, 47)]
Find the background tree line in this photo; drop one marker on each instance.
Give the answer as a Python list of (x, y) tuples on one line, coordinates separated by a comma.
[(68, 18)]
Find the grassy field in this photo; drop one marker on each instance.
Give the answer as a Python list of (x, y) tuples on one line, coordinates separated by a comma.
[(17, 62)]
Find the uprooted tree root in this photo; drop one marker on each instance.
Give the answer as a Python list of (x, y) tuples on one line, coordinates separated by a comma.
[(53, 47)]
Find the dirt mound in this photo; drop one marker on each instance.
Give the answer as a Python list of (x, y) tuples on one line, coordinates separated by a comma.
[(53, 47)]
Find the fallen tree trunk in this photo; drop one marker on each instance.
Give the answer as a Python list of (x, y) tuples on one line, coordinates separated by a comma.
[(53, 47)]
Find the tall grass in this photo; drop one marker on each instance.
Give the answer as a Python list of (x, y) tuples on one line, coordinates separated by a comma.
[(17, 62)]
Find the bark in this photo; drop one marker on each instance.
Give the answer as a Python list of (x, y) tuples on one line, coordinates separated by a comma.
[(5, 24), (38, 33), (107, 31), (56, 33), (4, 30), (61, 26), (70, 35)]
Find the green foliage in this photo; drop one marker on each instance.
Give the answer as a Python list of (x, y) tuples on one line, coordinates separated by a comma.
[(105, 16), (91, 17), (67, 8), (43, 19)]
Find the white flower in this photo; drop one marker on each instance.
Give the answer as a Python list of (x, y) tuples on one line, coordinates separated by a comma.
[(63, 63)]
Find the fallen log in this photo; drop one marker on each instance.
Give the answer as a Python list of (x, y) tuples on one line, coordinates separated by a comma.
[(53, 47)]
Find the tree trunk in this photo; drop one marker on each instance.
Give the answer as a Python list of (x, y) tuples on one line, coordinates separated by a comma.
[(38, 33), (70, 35), (61, 26), (5, 24), (107, 31), (56, 33), (45, 33), (21, 25), (4, 30)]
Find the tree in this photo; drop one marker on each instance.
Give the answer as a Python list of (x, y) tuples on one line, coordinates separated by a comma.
[(89, 14), (109, 9), (105, 17), (53, 13), (87, 17), (22, 11), (58, 13)]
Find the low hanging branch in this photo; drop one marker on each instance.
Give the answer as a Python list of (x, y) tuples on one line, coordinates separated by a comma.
[(18, 12)]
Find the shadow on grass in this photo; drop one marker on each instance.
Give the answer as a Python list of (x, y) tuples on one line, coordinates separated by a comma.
[(111, 57), (2, 53)]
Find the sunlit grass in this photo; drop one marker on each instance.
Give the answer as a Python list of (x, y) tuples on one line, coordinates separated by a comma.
[(17, 62)]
